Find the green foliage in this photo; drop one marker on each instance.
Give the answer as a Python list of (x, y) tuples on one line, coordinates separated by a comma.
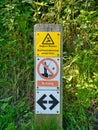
[(15, 115), (6, 114), (80, 78), (52, 125)]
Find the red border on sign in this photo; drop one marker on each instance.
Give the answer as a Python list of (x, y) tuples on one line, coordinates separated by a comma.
[(53, 74)]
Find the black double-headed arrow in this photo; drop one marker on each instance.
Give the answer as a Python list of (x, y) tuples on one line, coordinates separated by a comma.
[(54, 101)]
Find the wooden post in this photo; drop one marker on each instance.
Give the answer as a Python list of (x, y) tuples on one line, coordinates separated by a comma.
[(48, 48)]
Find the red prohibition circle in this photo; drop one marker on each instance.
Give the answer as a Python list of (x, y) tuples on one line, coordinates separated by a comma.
[(42, 63)]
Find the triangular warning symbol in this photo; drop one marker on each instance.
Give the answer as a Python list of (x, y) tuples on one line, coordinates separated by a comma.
[(48, 40)]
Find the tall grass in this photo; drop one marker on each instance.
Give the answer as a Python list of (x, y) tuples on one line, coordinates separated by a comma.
[(80, 62)]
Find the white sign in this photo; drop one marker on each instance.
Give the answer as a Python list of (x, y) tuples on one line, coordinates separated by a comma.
[(47, 73), (47, 102)]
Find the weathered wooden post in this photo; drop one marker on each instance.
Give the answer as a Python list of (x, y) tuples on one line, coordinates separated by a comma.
[(48, 74)]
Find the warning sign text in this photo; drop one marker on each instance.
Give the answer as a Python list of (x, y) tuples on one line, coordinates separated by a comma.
[(47, 44)]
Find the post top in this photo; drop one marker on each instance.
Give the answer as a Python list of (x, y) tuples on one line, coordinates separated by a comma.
[(48, 27)]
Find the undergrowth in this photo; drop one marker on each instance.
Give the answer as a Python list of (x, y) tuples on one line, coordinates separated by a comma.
[(80, 62)]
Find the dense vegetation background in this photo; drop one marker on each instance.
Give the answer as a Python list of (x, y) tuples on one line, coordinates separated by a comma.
[(79, 19)]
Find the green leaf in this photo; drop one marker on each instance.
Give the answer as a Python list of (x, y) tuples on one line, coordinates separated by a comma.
[(4, 106), (6, 99)]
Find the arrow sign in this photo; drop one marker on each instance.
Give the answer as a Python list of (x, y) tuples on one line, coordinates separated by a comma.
[(47, 102), (41, 101), (54, 102)]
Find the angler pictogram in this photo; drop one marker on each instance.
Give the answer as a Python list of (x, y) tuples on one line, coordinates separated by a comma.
[(48, 68)]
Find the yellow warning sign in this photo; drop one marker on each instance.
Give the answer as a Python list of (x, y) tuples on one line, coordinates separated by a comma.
[(47, 44)]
